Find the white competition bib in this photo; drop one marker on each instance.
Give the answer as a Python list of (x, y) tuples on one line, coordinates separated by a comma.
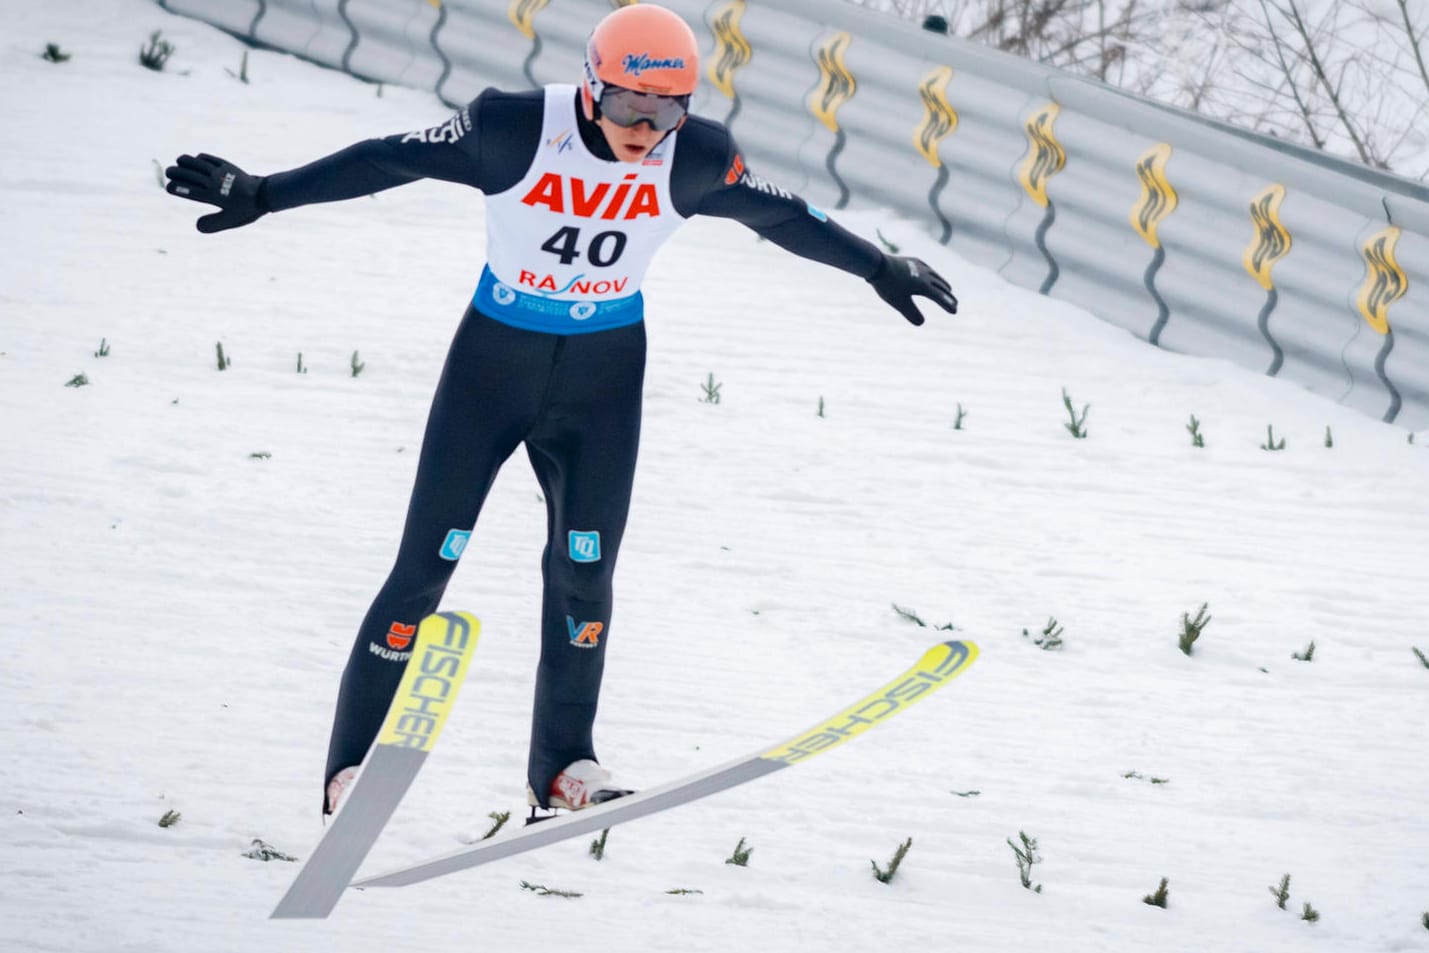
[(568, 245)]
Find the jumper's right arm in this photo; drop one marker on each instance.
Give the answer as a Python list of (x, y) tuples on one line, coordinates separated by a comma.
[(451, 152)]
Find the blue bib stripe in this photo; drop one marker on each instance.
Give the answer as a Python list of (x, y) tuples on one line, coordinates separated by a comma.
[(535, 312)]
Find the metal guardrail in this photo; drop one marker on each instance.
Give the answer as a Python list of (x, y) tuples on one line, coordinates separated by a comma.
[(1192, 235)]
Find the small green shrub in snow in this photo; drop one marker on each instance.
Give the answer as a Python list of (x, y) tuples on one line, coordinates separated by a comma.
[(1050, 638), (1282, 892), (1191, 628), (1138, 776), (1027, 856), (266, 852), (1194, 427), (1270, 443), (498, 821), (544, 891), (917, 620), (1306, 656), (54, 54), (156, 55), (740, 857), (1077, 426), (597, 846), (910, 615), (711, 388), (1157, 899), (882, 875)]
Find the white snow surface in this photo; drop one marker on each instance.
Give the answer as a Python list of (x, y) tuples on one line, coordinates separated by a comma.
[(178, 611)]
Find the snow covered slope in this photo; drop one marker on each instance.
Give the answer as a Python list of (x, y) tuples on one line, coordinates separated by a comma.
[(186, 554)]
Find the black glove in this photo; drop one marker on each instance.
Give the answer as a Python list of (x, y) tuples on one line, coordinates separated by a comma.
[(206, 178), (898, 279)]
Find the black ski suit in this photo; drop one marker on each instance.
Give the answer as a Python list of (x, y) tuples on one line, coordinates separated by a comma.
[(573, 399)]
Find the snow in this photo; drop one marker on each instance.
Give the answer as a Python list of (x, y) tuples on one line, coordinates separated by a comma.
[(179, 610)]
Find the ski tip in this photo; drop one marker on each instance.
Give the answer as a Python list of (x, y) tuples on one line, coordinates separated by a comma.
[(939, 665), (949, 658)]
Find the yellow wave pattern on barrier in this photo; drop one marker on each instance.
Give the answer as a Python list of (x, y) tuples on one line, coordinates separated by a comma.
[(1045, 155), (939, 116), (836, 84), (1158, 197), (1385, 282), (732, 50), (1271, 241), (523, 15)]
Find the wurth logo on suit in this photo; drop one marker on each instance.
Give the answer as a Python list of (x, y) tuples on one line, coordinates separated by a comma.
[(400, 636), (736, 170), (399, 643)]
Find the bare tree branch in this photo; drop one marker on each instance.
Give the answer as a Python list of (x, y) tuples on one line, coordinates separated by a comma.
[(1317, 65), (1301, 106), (1349, 76), (1414, 44)]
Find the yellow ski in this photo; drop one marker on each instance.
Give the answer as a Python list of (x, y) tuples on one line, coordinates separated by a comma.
[(440, 657), (938, 666)]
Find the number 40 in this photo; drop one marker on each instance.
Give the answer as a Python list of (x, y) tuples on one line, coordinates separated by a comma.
[(565, 243)]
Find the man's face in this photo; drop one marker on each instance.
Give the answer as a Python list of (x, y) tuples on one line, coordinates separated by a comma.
[(630, 144)]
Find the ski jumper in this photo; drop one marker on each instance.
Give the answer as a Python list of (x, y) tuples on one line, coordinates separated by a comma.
[(550, 354)]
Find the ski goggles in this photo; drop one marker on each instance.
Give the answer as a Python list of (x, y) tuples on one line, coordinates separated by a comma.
[(628, 108)]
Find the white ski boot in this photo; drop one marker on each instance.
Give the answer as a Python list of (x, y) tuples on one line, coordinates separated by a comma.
[(338, 786), (582, 784)]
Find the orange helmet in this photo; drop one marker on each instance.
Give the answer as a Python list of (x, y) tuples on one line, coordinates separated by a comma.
[(641, 47)]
